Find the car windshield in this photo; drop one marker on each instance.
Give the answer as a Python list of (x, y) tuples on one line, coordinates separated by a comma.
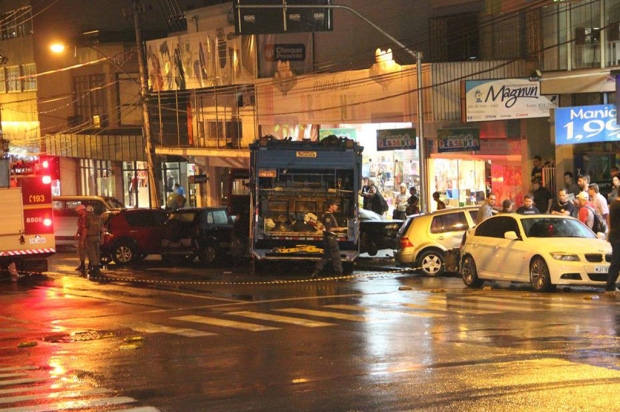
[(115, 203), (548, 227), (183, 217)]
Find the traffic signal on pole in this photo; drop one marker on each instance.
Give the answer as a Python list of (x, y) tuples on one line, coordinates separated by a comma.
[(50, 165)]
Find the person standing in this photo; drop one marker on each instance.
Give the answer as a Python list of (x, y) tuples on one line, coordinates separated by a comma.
[(80, 235), (528, 207), (570, 185), (614, 238), (400, 208), (93, 239), (178, 189), (538, 167), (542, 196), (440, 204), (562, 206), (365, 193), (413, 203), (585, 211), (507, 205), (486, 210), (376, 202), (615, 188), (331, 249), (599, 201)]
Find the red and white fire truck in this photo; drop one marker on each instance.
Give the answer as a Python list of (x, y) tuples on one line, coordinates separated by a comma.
[(26, 221)]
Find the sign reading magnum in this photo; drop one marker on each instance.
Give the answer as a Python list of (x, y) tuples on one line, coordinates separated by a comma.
[(394, 139), (458, 140), (502, 99)]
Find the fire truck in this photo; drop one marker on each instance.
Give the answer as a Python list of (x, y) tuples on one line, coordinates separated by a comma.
[(291, 184), (26, 228)]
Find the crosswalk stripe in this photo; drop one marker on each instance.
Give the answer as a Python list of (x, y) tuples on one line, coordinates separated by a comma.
[(80, 404), (140, 409), (363, 309), (56, 395), (225, 323), (21, 381), (444, 308), (500, 305), (542, 301), (283, 319), (324, 314), (18, 368), (146, 327), (12, 375)]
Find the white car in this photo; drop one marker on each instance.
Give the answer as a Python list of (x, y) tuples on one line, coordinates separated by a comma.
[(543, 250)]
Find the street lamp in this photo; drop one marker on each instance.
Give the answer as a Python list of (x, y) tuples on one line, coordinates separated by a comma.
[(58, 48)]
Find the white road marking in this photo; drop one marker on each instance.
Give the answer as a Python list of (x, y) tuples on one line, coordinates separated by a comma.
[(324, 314), (283, 319), (225, 323)]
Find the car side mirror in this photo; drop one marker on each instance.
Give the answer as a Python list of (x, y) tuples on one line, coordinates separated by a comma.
[(511, 235)]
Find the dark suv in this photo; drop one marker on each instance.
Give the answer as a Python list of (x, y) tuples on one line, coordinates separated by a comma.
[(204, 232), (131, 234)]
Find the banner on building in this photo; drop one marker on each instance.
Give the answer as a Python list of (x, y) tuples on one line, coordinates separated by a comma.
[(394, 139), (349, 133), (458, 140), (586, 124), (504, 99)]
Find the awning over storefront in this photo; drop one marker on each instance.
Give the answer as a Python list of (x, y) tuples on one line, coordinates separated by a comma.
[(205, 158)]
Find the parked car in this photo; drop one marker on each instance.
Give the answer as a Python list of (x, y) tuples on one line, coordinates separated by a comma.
[(424, 238), (543, 250), (65, 216), (132, 234), (197, 232), (377, 232)]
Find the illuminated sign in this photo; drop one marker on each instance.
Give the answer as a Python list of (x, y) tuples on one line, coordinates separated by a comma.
[(503, 99), (394, 139), (586, 124), (305, 154), (458, 140)]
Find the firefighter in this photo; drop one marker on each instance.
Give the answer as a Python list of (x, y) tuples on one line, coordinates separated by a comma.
[(80, 235), (93, 239)]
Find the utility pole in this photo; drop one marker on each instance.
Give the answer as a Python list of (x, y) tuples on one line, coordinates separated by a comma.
[(135, 12)]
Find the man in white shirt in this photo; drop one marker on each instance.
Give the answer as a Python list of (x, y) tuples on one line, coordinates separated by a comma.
[(598, 201)]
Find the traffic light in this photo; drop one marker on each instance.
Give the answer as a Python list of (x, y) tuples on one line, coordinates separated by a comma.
[(50, 165)]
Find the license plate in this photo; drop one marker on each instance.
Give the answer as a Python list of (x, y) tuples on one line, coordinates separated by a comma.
[(601, 269), (37, 240)]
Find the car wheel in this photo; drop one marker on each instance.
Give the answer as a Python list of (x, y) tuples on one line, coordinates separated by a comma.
[(540, 278), (208, 254), (123, 253), (368, 245), (469, 273), (431, 263)]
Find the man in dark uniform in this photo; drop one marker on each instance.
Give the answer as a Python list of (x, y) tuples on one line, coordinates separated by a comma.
[(614, 238), (331, 250)]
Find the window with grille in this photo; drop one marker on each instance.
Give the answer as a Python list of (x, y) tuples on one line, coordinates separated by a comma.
[(29, 75), (89, 96), (13, 79), (16, 23), (2, 80)]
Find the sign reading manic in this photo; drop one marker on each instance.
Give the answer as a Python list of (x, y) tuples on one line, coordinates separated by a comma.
[(503, 99), (586, 124)]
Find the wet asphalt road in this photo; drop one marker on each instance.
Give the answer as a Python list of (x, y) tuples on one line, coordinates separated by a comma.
[(192, 339)]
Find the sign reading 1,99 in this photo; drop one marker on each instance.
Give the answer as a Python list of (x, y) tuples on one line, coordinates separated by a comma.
[(586, 124)]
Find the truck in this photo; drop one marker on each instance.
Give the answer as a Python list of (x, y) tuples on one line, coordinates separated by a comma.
[(291, 183), (27, 229)]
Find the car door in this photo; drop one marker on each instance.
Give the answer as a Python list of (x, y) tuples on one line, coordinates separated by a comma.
[(488, 247), (448, 229), (147, 228), (508, 253)]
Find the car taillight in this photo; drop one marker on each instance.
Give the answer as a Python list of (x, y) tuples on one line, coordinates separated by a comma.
[(404, 242)]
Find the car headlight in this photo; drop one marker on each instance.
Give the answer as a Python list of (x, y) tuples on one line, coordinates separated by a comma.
[(569, 257)]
